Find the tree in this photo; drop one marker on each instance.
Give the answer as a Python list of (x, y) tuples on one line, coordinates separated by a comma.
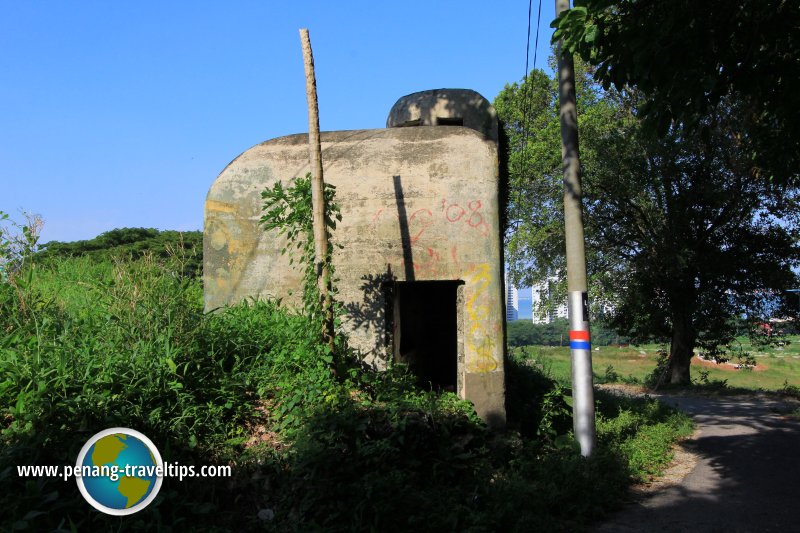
[(133, 243), (556, 333), (690, 56), (678, 235)]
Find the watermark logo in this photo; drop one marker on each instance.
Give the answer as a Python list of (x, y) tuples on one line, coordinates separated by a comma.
[(119, 471)]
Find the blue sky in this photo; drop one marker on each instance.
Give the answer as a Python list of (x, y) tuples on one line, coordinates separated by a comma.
[(122, 114), (525, 304)]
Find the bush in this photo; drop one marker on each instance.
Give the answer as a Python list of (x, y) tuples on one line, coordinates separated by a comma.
[(640, 430), (87, 344), (142, 355)]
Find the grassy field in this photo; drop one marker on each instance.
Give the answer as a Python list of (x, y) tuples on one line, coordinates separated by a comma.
[(776, 367)]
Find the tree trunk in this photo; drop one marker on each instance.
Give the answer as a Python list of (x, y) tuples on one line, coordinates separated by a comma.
[(681, 350)]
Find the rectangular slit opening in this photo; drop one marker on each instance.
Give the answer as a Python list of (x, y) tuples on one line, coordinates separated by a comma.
[(449, 121)]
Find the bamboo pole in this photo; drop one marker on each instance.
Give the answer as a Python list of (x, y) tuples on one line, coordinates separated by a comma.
[(321, 246)]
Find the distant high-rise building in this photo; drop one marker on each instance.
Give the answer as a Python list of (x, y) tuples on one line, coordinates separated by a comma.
[(540, 293), (512, 302), (545, 314)]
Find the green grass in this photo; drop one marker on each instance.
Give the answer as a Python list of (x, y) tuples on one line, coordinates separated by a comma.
[(775, 366), (87, 344)]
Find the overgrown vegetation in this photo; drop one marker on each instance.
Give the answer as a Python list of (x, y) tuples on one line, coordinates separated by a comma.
[(288, 211), (86, 345), (133, 243), (736, 50)]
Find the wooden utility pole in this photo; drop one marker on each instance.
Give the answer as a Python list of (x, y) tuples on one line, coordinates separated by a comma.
[(579, 338), (317, 192)]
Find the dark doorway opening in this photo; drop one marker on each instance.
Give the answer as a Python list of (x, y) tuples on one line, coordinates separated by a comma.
[(426, 330)]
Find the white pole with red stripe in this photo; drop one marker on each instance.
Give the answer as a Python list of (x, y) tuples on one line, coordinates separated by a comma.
[(579, 339), (580, 347)]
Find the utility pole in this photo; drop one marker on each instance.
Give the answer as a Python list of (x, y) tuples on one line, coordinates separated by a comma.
[(317, 192), (583, 420)]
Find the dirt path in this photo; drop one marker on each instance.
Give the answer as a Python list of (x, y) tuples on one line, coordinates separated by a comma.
[(745, 475)]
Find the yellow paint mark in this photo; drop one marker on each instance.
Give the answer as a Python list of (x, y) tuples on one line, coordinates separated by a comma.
[(478, 311), (218, 239), (220, 207), (485, 361), (233, 234), (220, 235), (232, 253)]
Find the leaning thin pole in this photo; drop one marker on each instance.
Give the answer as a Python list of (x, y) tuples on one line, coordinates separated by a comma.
[(579, 337), (317, 190)]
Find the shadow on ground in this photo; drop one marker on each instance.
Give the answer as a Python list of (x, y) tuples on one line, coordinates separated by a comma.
[(747, 477)]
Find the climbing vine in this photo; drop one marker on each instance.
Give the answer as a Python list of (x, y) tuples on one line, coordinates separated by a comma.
[(288, 210)]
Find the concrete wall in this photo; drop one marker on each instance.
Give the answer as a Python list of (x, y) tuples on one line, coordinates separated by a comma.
[(417, 204)]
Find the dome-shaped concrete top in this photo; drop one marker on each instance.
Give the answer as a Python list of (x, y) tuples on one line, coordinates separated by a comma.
[(445, 107)]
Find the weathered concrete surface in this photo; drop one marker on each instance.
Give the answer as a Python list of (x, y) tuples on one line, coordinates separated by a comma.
[(747, 475), (445, 107), (417, 204)]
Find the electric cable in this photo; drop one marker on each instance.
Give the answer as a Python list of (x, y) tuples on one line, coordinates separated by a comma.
[(527, 98)]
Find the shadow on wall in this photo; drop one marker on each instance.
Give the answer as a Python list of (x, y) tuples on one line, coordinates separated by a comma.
[(405, 235), (375, 309)]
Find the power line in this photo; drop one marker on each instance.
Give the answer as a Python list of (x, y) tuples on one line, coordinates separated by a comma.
[(536, 42), (528, 43), (528, 100)]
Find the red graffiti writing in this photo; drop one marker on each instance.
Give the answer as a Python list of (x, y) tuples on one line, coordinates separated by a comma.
[(424, 222), (428, 252), (455, 213)]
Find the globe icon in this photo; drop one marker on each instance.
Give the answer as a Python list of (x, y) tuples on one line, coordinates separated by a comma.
[(121, 471)]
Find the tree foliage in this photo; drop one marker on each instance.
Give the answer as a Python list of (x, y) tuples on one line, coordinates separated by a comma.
[(556, 333), (288, 211), (134, 243), (679, 237), (688, 57), (535, 230)]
